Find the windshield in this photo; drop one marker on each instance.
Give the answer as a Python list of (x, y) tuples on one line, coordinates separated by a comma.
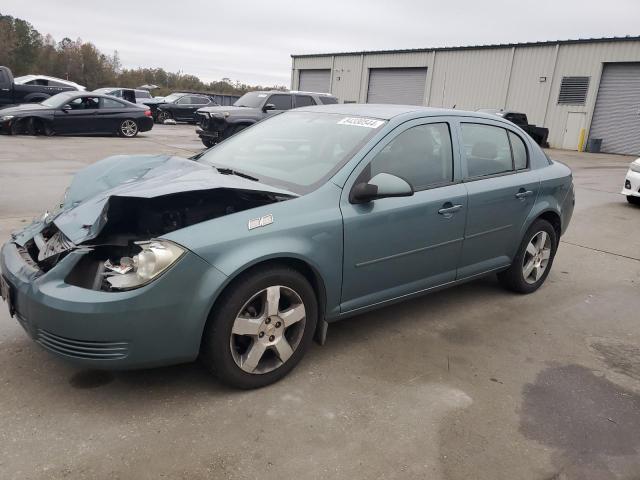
[(58, 100), (23, 79), (251, 99), (294, 150), (173, 97)]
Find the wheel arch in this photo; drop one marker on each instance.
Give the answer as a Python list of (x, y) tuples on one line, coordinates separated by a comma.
[(299, 264)]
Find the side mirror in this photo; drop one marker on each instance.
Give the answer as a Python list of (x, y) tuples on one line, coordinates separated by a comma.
[(66, 108), (383, 185), (268, 106)]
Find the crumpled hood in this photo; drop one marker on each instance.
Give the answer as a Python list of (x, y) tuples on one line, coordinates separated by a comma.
[(83, 211), (25, 107)]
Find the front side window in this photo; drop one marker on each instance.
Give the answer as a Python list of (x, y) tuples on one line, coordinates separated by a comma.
[(421, 155), (84, 103), (199, 100), (281, 102), (186, 100), (330, 100), (487, 149), (296, 150)]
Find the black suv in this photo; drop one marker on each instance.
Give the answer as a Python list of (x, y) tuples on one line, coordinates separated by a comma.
[(539, 134), (218, 123)]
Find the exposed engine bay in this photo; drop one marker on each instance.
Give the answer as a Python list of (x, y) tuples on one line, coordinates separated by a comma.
[(122, 255)]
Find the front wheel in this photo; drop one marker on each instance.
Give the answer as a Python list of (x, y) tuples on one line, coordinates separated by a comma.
[(633, 200), (260, 328), (162, 116), (128, 129), (207, 142), (532, 263)]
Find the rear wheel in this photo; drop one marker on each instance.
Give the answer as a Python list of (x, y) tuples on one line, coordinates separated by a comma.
[(533, 261), (633, 200), (260, 328), (162, 116), (128, 128)]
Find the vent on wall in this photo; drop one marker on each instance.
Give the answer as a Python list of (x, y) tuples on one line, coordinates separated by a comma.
[(573, 90)]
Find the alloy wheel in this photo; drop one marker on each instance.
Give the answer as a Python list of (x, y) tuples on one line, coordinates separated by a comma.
[(268, 329), (536, 257), (129, 128)]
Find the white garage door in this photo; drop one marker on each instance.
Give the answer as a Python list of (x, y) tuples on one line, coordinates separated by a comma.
[(616, 118), (404, 86), (315, 81)]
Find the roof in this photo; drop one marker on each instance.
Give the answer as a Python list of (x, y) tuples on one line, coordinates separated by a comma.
[(28, 78), (387, 111), (627, 38)]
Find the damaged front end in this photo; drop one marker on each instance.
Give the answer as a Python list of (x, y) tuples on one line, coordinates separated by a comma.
[(119, 231)]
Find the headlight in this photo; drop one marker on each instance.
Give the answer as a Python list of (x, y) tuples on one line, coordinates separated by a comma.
[(635, 167), (6, 118), (155, 258)]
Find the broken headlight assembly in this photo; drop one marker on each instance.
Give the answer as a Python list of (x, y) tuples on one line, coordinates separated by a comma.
[(155, 257)]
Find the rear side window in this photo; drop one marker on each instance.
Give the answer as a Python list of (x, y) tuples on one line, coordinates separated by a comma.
[(330, 100), (109, 103), (519, 151), (304, 101), (487, 150), (421, 155), (281, 102), (142, 94)]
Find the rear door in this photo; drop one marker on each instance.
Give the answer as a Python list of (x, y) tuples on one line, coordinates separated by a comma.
[(303, 101), (80, 119), (398, 246), (502, 189)]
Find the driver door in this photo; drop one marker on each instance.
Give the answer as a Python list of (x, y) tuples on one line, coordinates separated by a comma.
[(81, 118), (398, 246)]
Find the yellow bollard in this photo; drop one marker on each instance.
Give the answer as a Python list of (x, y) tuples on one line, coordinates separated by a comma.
[(581, 140)]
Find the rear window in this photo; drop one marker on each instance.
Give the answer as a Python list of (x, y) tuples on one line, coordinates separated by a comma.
[(328, 100)]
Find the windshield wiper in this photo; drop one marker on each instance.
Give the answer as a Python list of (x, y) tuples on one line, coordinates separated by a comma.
[(228, 171)]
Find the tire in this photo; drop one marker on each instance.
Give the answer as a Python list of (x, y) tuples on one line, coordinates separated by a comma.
[(633, 200), (240, 323), (162, 116), (207, 142), (531, 264), (128, 128)]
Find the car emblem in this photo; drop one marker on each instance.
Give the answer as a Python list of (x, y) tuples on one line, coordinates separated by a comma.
[(260, 222)]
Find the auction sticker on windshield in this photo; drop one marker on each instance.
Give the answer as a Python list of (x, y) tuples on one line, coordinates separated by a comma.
[(361, 122)]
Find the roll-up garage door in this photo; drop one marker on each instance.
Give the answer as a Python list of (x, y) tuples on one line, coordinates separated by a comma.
[(397, 85), (616, 118), (315, 81)]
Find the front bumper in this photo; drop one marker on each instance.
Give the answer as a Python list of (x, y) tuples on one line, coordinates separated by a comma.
[(631, 184), (158, 324)]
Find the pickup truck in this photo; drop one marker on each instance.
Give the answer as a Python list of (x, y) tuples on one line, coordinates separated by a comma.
[(539, 134), (12, 93)]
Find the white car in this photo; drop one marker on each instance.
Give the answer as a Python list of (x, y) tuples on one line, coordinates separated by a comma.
[(46, 81), (632, 183)]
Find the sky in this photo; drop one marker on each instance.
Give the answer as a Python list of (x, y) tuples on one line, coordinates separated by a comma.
[(252, 41)]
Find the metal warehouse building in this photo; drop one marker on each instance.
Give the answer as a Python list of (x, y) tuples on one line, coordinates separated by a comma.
[(566, 86)]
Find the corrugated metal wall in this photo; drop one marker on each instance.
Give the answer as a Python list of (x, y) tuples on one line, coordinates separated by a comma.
[(524, 78)]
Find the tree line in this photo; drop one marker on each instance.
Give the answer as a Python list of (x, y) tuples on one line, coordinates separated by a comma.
[(26, 51)]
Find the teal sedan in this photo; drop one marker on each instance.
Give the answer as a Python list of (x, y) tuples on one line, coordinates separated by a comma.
[(245, 253)]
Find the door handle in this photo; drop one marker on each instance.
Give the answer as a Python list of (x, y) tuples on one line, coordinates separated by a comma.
[(522, 194), (448, 209)]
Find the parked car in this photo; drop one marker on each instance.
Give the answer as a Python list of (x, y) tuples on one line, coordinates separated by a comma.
[(218, 123), (632, 183), (178, 106), (13, 93), (244, 252), (46, 81), (539, 134), (76, 113), (129, 94)]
